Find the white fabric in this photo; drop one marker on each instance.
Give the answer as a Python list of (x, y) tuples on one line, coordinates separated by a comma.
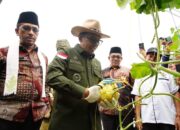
[(94, 94), (158, 108), (12, 67), (43, 65)]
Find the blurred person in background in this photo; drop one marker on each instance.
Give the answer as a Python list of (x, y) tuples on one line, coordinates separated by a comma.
[(157, 112), (110, 117), (61, 46)]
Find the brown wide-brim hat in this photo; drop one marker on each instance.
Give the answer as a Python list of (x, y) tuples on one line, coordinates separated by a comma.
[(91, 26)]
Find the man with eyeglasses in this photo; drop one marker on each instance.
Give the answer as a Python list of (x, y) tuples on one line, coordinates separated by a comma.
[(23, 100), (110, 117), (74, 75)]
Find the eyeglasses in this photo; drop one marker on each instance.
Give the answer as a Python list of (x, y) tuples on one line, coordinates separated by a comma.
[(94, 40), (28, 28), (116, 56)]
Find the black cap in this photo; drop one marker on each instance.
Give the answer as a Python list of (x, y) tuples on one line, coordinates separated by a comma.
[(28, 17), (115, 50), (152, 50)]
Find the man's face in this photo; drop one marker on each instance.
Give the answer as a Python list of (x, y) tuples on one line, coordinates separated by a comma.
[(27, 33), (90, 42), (172, 66), (151, 57), (115, 59)]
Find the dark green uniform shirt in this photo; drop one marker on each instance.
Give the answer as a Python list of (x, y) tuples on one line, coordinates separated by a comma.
[(69, 74)]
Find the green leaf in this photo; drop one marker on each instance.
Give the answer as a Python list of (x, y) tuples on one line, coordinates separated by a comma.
[(146, 6), (175, 46), (140, 70), (122, 3), (163, 4), (138, 5), (172, 29)]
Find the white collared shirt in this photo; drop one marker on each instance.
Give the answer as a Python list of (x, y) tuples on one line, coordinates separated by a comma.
[(158, 108)]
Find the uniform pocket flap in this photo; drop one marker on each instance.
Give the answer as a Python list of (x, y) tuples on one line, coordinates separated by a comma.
[(97, 73), (76, 67)]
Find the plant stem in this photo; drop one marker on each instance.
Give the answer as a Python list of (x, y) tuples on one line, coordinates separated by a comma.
[(175, 73), (167, 94), (120, 120)]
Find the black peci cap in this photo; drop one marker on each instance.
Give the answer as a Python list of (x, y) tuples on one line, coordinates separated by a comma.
[(28, 17), (115, 50)]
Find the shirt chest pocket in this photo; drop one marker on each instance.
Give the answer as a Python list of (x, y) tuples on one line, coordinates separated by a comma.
[(75, 72), (163, 85), (97, 75)]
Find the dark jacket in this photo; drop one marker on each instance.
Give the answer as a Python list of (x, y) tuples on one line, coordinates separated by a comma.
[(69, 74)]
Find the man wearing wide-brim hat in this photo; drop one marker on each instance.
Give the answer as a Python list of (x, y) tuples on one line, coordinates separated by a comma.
[(74, 75)]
